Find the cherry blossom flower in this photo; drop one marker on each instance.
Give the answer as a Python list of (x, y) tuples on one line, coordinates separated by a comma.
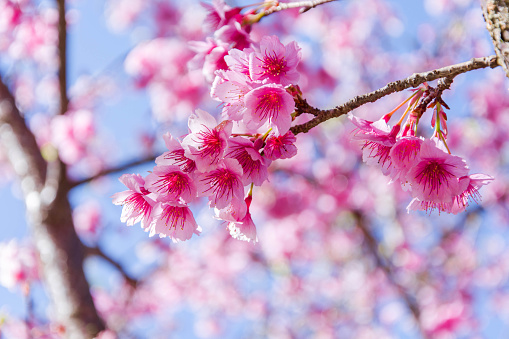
[(403, 155), (254, 166), (175, 155), (170, 183), (174, 220), (19, 264), (280, 146), (223, 185), (435, 174), (136, 201), (240, 227), (275, 61), (218, 15), (234, 34), (231, 88), (272, 103), (238, 60), (207, 142)]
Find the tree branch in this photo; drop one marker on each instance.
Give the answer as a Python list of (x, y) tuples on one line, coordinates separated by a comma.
[(303, 5), (397, 86), (99, 252), (496, 15), (385, 265), (119, 168)]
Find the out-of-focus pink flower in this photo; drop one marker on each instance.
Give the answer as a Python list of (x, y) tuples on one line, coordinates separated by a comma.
[(218, 15), (87, 219), (207, 142), (280, 146), (234, 34), (223, 185), (136, 202), (19, 264), (275, 61), (174, 220), (272, 103)]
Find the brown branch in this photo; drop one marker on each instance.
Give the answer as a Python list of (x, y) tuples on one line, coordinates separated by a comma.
[(112, 170), (414, 80), (99, 252), (303, 5), (62, 56), (496, 15), (385, 265)]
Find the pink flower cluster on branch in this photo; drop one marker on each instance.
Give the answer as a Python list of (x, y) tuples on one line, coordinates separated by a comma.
[(219, 160), (435, 178)]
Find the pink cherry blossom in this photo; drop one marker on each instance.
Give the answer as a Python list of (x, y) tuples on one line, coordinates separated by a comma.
[(238, 60), (435, 174), (244, 229), (223, 185), (19, 264), (174, 220), (234, 34), (207, 142), (175, 155), (403, 155), (280, 146), (136, 202), (254, 166), (275, 61), (170, 183), (218, 15), (231, 88), (272, 103)]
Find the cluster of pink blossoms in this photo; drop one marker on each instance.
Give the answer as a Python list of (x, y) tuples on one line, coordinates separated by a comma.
[(435, 178), (221, 159)]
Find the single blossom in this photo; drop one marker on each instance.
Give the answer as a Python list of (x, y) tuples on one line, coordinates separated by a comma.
[(231, 88), (207, 142), (280, 146), (218, 15), (234, 34), (403, 155), (254, 166), (175, 155), (238, 60), (171, 184), (174, 220), (435, 174), (240, 227), (223, 185), (272, 103), (137, 202), (275, 61)]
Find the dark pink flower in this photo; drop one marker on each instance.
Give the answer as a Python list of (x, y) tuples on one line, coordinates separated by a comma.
[(171, 184), (223, 185), (275, 61), (207, 142), (174, 220), (435, 174), (137, 205), (270, 103), (218, 15), (280, 146), (254, 166), (403, 155), (233, 34)]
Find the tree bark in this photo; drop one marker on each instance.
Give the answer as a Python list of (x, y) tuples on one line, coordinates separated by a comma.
[(49, 216), (496, 15)]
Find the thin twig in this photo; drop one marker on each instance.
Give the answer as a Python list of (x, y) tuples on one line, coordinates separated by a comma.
[(99, 252), (112, 170), (303, 5), (414, 80)]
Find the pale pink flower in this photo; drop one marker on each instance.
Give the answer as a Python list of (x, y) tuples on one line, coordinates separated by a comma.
[(174, 220), (207, 142), (435, 174), (170, 183), (231, 88), (471, 193), (19, 264), (244, 228), (275, 61), (254, 166), (136, 202), (209, 56), (272, 103), (280, 146), (238, 60), (223, 185), (175, 155), (87, 219)]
